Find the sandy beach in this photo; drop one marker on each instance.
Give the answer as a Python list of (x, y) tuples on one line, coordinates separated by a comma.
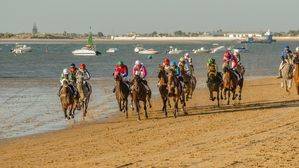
[(259, 131)]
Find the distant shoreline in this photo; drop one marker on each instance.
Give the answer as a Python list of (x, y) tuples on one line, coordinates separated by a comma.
[(140, 39)]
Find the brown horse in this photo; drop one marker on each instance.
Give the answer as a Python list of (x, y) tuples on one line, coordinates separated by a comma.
[(84, 90), (162, 85), (189, 83), (122, 92), (68, 103), (215, 84), (140, 93), (175, 90), (230, 84), (296, 76)]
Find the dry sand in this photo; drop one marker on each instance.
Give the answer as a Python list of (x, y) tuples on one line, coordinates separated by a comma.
[(259, 131)]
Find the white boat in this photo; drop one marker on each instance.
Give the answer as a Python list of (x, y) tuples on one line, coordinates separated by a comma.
[(174, 51), (201, 50), (112, 50), (214, 50), (87, 50), (148, 51), (20, 49), (137, 49)]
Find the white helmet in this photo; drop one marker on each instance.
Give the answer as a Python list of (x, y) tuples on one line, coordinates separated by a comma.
[(297, 49), (236, 51), (65, 71), (186, 56), (137, 62)]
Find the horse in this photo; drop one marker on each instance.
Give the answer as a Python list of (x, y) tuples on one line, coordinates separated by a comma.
[(296, 76), (175, 90), (230, 84), (215, 84), (122, 92), (84, 91), (189, 83), (162, 85), (287, 75), (140, 93), (67, 100)]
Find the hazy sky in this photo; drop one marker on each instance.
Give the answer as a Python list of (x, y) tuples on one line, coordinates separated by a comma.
[(121, 16)]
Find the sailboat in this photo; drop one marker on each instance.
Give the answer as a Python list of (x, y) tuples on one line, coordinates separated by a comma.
[(88, 50)]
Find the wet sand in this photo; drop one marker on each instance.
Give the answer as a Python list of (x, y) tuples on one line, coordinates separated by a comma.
[(261, 130)]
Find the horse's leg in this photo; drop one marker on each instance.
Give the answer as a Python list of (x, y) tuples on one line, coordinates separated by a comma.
[(126, 107), (183, 101), (218, 98), (240, 91), (286, 85), (145, 110), (228, 96), (149, 99), (175, 106), (65, 113), (169, 104), (165, 100), (119, 104), (298, 89), (137, 106)]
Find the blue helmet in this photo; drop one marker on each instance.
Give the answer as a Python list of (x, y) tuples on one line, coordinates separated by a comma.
[(72, 65), (287, 47), (173, 63)]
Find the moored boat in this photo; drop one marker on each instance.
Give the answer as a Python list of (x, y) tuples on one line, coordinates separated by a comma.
[(87, 50)]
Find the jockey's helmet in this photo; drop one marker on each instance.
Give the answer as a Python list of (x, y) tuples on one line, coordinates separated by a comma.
[(65, 72), (173, 63), (166, 61), (186, 56), (120, 63), (72, 65), (182, 59), (137, 62), (297, 49), (82, 66)]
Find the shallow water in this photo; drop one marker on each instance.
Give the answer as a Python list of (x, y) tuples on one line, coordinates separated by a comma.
[(29, 82)]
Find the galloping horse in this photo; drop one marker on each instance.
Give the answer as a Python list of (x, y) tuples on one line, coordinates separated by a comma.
[(189, 82), (287, 75), (162, 85), (140, 93), (67, 100), (230, 84), (175, 90), (84, 93), (122, 92), (215, 84)]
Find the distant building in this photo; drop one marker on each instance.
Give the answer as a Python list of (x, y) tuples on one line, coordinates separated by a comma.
[(34, 29)]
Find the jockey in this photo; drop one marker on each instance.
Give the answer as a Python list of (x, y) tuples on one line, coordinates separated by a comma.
[(174, 66), (139, 69), (65, 77), (284, 56), (72, 73), (166, 64), (237, 54), (227, 57), (184, 64), (212, 67), (296, 58), (188, 61), (122, 69), (86, 75)]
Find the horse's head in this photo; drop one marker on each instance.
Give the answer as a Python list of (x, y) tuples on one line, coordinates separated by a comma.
[(118, 77), (171, 81)]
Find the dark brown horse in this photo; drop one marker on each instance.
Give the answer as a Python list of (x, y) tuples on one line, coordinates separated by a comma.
[(140, 93), (68, 103), (176, 91), (215, 84), (122, 92), (162, 85), (189, 83), (230, 84)]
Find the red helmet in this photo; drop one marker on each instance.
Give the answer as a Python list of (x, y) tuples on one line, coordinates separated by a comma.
[(82, 66), (166, 61)]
